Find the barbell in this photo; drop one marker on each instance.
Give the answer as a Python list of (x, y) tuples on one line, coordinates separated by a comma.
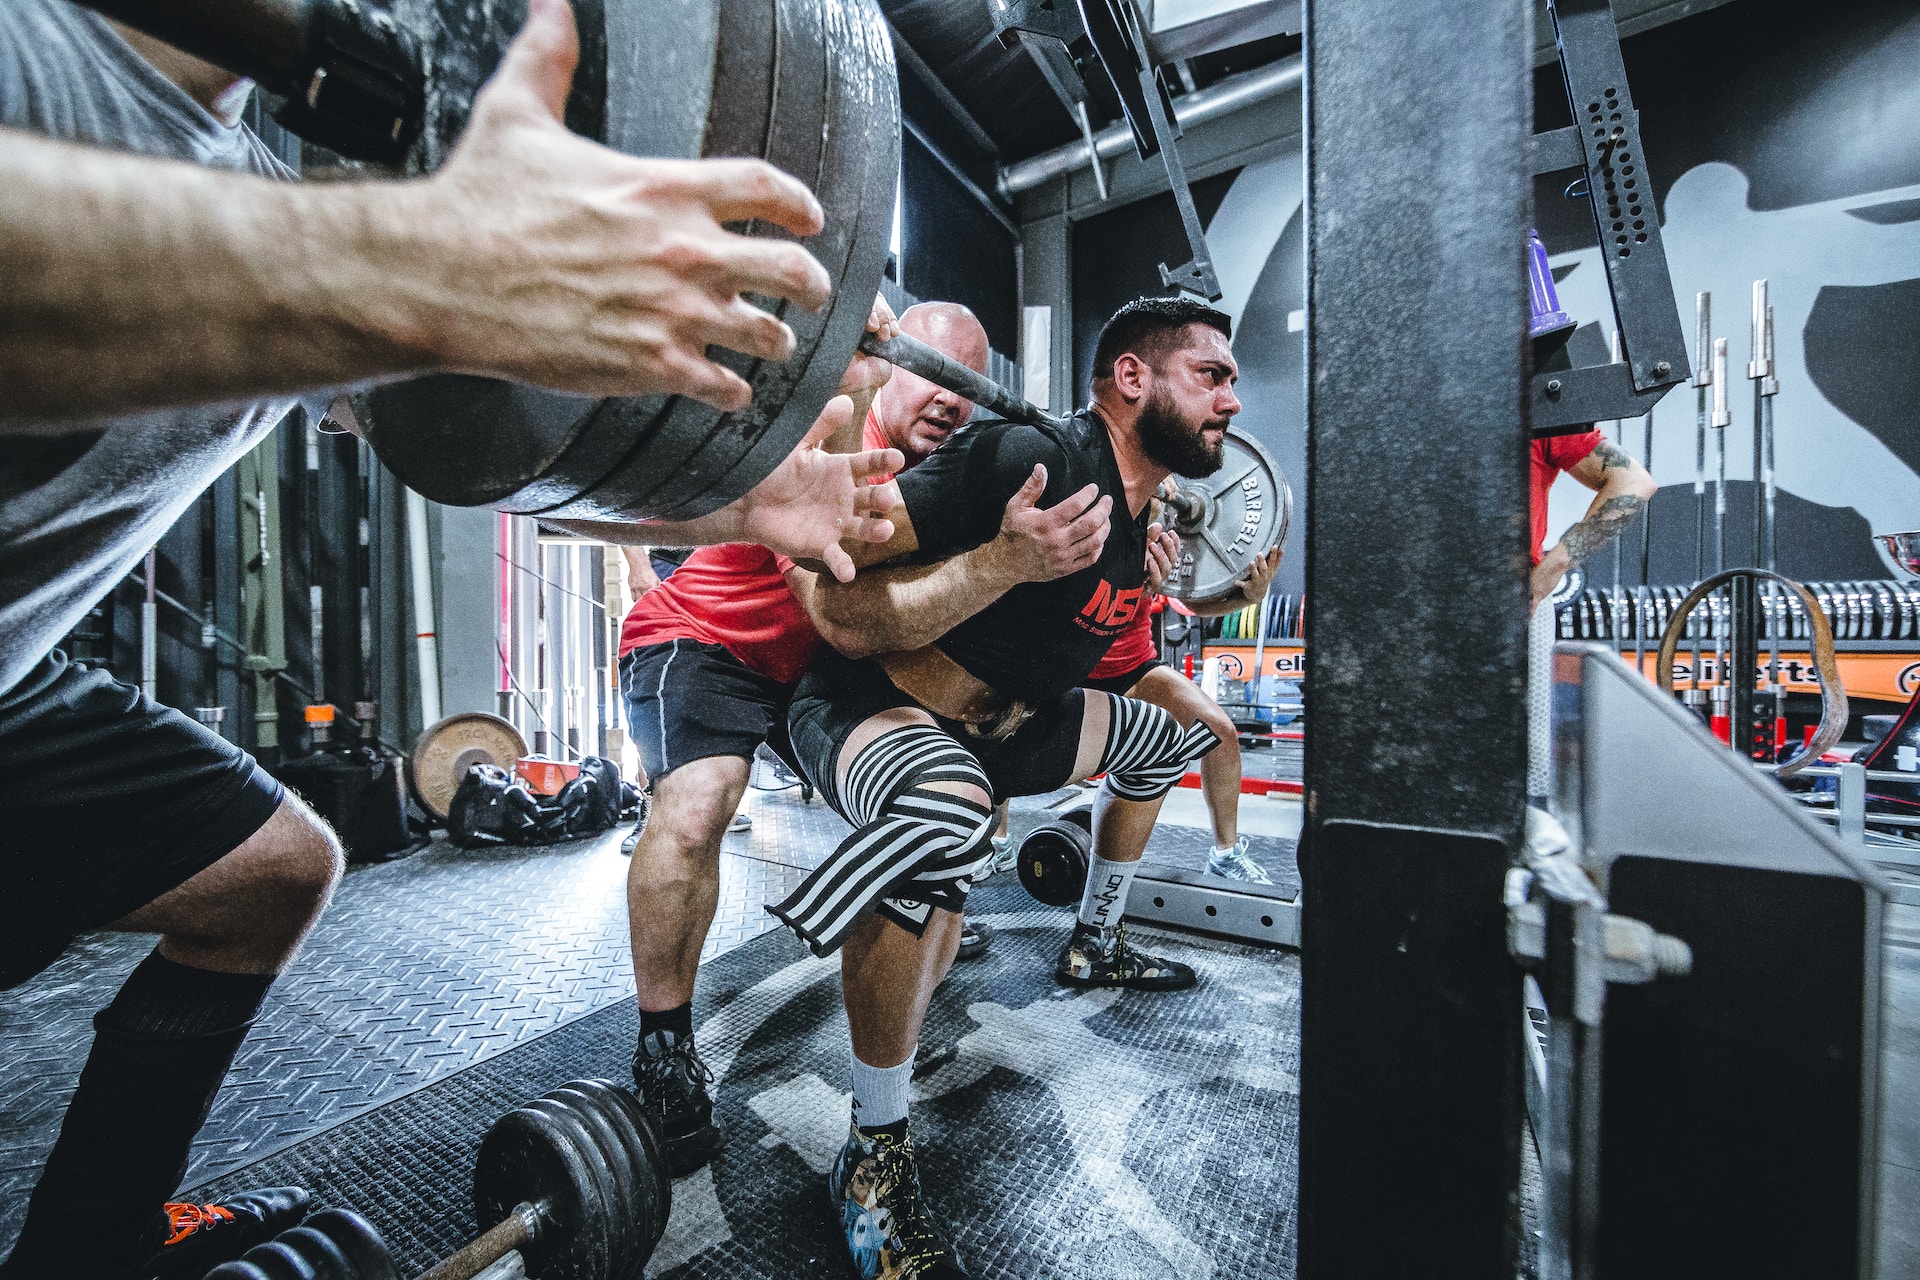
[(575, 1182)]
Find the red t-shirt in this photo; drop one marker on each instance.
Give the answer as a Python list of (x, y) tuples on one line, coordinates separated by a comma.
[(735, 596), (1133, 648), (1550, 456)]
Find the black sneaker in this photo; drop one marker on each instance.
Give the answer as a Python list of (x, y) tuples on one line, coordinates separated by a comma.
[(974, 938), (672, 1082), (205, 1235), (1104, 958), (875, 1189)]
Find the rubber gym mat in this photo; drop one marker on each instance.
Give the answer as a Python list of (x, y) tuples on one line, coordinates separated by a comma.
[(1066, 1135)]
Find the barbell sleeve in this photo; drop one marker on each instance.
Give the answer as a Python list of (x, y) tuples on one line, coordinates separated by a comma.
[(515, 1231), (917, 357)]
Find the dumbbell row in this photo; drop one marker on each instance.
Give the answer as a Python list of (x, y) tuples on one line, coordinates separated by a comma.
[(1863, 610), (575, 1182)]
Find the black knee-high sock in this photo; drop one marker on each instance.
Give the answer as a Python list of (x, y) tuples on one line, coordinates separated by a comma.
[(160, 1051)]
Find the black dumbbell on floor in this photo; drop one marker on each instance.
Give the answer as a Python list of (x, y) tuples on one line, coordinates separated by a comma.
[(1053, 857), (575, 1182)]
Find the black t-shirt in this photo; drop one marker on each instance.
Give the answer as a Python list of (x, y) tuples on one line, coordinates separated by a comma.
[(1041, 638)]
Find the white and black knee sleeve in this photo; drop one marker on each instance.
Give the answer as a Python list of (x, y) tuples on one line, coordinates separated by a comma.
[(1147, 751), (913, 847)]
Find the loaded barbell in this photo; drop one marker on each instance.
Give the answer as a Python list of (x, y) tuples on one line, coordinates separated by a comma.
[(1053, 857), (574, 1182)]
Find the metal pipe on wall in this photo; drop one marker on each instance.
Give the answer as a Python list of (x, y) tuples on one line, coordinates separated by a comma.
[(1235, 93), (426, 640)]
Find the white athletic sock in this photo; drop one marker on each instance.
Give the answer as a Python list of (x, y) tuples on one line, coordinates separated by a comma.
[(880, 1093), (1106, 896)]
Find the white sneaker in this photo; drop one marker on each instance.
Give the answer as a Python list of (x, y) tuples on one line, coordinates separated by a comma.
[(1235, 864), (741, 822)]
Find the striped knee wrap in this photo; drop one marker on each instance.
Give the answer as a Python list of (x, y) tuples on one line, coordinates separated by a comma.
[(1147, 751), (913, 847)]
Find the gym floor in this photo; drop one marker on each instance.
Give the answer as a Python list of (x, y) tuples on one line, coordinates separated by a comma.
[(441, 989)]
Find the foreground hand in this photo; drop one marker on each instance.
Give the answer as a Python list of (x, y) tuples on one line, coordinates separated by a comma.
[(1163, 555), (1039, 546), (815, 498), (585, 270)]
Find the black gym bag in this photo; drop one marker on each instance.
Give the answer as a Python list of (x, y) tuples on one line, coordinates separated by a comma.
[(493, 806)]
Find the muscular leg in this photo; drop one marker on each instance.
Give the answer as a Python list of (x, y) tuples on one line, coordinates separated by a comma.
[(887, 976), (1220, 767), (164, 1045), (673, 885)]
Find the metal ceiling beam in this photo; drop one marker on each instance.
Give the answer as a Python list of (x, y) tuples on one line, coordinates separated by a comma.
[(1235, 93), (909, 57)]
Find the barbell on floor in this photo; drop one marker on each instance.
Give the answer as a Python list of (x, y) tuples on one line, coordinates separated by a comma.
[(575, 1182)]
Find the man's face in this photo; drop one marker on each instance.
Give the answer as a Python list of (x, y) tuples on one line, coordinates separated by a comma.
[(916, 416), (1183, 423)]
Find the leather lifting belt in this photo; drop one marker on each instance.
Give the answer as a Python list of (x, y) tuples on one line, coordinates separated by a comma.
[(951, 692)]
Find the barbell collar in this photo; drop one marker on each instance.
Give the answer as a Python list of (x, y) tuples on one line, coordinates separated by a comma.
[(917, 357)]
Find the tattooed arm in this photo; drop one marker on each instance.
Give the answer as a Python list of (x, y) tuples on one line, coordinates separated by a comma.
[(1621, 488)]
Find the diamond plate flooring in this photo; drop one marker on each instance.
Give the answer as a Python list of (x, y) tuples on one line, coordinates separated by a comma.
[(420, 968), (1071, 1135)]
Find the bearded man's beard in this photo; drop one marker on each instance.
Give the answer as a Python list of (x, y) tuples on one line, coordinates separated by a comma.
[(1169, 441)]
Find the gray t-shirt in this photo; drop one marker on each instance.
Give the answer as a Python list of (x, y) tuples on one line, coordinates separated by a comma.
[(77, 511)]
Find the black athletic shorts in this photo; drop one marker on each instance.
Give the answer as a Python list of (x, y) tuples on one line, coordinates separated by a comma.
[(1120, 684), (687, 701), (838, 694), (107, 801)]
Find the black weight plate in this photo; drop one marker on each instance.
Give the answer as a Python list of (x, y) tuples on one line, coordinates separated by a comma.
[(1053, 863), (643, 1140), (862, 165), (528, 1157), (604, 1221), (1080, 815), (357, 1239), (473, 441), (795, 144), (280, 1261), (631, 1191), (236, 1270), (328, 1260), (683, 441)]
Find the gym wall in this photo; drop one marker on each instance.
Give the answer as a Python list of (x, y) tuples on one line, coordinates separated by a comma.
[(1782, 147)]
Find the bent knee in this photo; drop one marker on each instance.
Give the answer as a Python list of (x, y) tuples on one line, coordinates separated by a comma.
[(294, 862)]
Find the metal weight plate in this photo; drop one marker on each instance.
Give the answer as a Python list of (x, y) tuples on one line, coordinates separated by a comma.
[(680, 80), (863, 160), (357, 1239), (607, 1193), (643, 1142), (1242, 512), (694, 444), (280, 1262), (529, 1157), (1053, 862), (630, 1187), (446, 750), (328, 1260)]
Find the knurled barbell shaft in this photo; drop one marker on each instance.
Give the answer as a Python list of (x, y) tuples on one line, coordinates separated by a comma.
[(515, 1231), (917, 357)]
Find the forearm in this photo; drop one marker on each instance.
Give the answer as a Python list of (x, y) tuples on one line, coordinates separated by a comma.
[(287, 288), (892, 609), (725, 525), (1606, 519)]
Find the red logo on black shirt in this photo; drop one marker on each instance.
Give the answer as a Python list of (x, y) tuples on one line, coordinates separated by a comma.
[(1110, 608)]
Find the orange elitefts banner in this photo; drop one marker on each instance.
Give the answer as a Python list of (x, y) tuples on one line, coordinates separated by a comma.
[(1887, 677)]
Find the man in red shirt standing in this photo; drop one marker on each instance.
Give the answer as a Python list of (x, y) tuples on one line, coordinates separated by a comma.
[(708, 661), (1621, 488), (1133, 669)]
